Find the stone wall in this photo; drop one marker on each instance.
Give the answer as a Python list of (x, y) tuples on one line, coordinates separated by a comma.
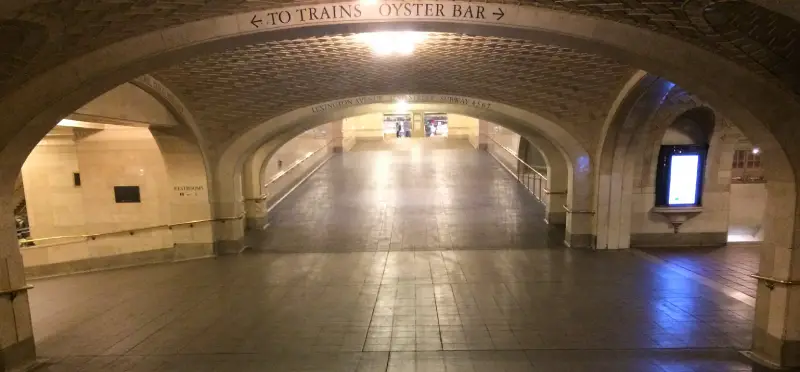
[(312, 141), (747, 207), (707, 228), (508, 139), (365, 127), (113, 156)]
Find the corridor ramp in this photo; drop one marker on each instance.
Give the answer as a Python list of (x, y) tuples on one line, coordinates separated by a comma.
[(415, 259), (423, 194)]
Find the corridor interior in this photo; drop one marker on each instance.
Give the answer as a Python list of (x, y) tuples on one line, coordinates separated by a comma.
[(414, 255)]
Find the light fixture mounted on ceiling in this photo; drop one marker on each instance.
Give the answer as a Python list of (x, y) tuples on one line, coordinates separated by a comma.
[(392, 42), (401, 106)]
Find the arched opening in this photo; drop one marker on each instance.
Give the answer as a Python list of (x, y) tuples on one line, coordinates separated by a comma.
[(112, 186), (407, 180), (763, 110), (291, 124)]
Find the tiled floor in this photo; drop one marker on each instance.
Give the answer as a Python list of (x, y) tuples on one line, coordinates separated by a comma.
[(381, 303), (420, 197), (729, 266)]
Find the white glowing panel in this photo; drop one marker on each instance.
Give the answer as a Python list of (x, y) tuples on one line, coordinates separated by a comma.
[(683, 179)]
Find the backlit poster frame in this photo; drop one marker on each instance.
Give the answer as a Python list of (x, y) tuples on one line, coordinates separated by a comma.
[(664, 174)]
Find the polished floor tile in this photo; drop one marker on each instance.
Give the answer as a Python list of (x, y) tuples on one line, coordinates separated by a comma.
[(419, 198), (338, 287), (729, 266)]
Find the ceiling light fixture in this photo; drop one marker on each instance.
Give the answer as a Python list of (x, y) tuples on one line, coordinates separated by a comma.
[(392, 42), (401, 106), (756, 150)]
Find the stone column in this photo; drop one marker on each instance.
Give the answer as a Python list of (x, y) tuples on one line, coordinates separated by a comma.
[(16, 333), (336, 134), (579, 215), (417, 124), (483, 135), (776, 335), (229, 205), (189, 198), (255, 202)]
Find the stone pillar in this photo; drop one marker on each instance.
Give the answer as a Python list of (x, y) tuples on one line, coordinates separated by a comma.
[(229, 205), (579, 213), (16, 333), (189, 197), (417, 124), (336, 134), (255, 203), (554, 205), (483, 135), (776, 336)]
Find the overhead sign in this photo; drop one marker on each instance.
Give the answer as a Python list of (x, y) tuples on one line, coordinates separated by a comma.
[(412, 98), (380, 11)]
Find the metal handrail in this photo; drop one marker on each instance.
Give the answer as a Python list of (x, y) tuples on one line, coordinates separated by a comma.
[(13, 291), (130, 231), (291, 167), (568, 210), (770, 282), (516, 157)]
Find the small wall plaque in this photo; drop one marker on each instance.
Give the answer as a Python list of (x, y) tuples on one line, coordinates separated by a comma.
[(127, 194)]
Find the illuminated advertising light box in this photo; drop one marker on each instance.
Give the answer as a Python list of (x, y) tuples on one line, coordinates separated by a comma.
[(679, 176)]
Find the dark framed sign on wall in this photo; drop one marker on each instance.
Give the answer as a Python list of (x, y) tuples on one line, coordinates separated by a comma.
[(127, 194), (679, 175)]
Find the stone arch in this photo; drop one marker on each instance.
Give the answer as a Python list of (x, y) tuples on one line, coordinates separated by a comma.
[(764, 111), (149, 133), (700, 71), (631, 126), (760, 108), (231, 163), (664, 125)]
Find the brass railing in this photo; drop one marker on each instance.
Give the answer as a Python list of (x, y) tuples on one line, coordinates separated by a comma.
[(575, 211), (771, 282), (13, 292), (284, 172), (532, 179), (85, 237)]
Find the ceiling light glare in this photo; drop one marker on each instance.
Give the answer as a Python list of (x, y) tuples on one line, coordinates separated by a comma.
[(368, 2), (392, 42), (756, 150), (401, 106)]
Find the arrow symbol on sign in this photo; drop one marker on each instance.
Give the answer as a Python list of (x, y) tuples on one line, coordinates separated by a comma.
[(499, 15), (255, 21)]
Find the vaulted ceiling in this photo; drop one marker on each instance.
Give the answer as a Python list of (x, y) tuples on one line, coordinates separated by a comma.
[(40, 34), (237, 89)]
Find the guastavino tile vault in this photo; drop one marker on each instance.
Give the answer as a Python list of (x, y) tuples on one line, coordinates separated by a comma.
[(399, 185)]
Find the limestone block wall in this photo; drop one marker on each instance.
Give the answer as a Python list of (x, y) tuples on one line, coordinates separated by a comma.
[(460, 126), (507, 138), (364, 127), (126, 103), (114, 156), (747, 206), (296, 149)]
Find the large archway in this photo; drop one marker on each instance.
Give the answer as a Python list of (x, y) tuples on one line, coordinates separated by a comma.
[(747, 95), (229, 172)]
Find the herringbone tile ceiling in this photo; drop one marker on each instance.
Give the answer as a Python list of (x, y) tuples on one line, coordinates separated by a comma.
[(39, 34), (240, 88)]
